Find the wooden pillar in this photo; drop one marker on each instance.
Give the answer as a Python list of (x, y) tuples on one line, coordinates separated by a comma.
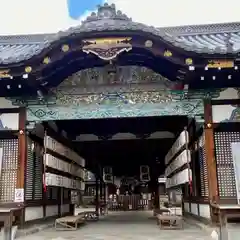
[(97, 197), (104, 193), (22, 150), (156, 195), (100, 196), (22, 159), (101, 189), (210, 156), (60, 202)]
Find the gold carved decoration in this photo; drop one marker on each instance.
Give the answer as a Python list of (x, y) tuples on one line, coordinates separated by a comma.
[(5, 74), (167, 53), (107, 48), (28, 69), (46, 60), (220, 64), (189, 61), (65, 48)]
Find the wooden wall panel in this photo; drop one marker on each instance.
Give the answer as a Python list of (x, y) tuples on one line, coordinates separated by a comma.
[(225, 167), (8, 179)]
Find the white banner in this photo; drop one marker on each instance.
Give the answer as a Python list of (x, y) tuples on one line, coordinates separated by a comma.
[(19, 195)]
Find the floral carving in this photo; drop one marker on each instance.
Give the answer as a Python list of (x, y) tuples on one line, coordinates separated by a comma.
[(123, 75), (114, 98)]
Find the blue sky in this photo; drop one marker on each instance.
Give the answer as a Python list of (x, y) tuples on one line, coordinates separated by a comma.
[(48, 16), (77, 8)]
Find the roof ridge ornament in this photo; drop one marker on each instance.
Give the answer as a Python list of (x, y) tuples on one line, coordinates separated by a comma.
[(106, 11)]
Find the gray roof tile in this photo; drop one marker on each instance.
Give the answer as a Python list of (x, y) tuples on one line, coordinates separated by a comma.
[(10, 53), (210, 39)]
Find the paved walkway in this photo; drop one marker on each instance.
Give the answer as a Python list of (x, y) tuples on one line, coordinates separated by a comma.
[(123, 225)]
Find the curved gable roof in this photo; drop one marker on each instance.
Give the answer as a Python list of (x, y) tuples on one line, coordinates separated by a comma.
[(208, 39)]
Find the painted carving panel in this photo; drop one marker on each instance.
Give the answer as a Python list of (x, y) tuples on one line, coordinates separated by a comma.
[(113, 76), (116, 92), (36, 113)]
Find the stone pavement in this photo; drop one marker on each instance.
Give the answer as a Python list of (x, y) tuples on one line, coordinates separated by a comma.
[(123, 225)]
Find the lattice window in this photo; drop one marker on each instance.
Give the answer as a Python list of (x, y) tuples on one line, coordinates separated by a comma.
[(225, 168), (38, 171), (8, 178), (29, 171), (34, 171), (203, 166)]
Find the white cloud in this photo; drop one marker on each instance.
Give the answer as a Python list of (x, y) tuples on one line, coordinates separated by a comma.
[(39, 16), (33, 16), (180, 12)]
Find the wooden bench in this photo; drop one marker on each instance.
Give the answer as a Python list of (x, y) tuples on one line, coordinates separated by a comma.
[(69, 222), (225, 212), (161, 211), (7, 216), (170, 221)]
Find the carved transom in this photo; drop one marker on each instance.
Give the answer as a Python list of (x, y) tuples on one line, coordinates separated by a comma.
[(116, 75)]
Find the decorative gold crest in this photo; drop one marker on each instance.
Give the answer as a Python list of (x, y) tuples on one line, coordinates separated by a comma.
[(65, 48), (220, 64), (107, 48), (46, 60), (5, 73), (28, 69), (189, 61), (167, 53)]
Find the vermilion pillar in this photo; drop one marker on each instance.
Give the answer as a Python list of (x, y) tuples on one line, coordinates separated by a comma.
[(22, 159), (22, 150)]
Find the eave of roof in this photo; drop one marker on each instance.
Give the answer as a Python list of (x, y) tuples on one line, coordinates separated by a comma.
[(204, 39)]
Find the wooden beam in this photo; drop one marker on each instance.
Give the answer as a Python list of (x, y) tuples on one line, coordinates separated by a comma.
[(210, 157), (97, 196), (225, 102)]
